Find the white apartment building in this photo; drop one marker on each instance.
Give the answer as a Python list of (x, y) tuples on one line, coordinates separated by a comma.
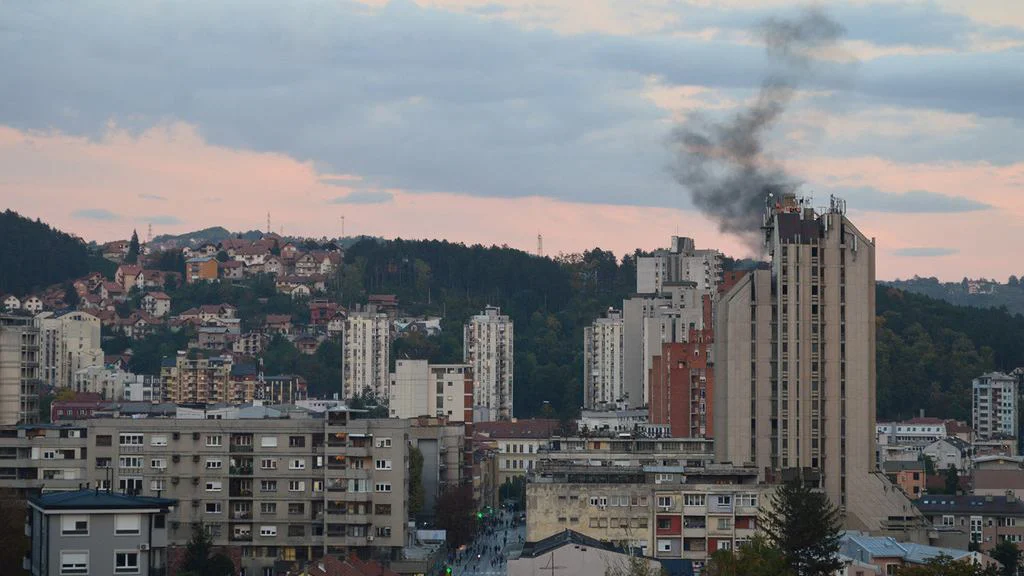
[(19, 370), (680, 263), (366, 351), (68, 342), (419, 388), (994, 406), (603, 370), (487, 349)]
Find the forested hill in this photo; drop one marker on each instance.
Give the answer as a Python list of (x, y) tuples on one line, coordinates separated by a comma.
[(33, 255), (981, 292), (929, 350)]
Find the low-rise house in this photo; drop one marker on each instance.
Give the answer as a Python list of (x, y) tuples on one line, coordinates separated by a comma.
[(252, 255), (157, 304), (351, 566), (249, 344), (208, 312), (278, 324), (214, 338), (11, 303), (321, 310), (307, 344), (204, 269), (519, 443), (112, 291), (296, 291), (116, 251), (573, 554), (127, 276), (387, 303), (97, 532), (32, 304), (155, 279), (909, 476), (984, 520), (950, 451), (271, 265), (232, 270), (336, 325), (889, 555)]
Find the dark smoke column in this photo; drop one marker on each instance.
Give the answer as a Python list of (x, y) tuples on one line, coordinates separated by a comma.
[(724, 164)]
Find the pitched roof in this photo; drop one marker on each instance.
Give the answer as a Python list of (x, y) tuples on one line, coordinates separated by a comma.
[(351, 566), (532, 428), (97, 500), (900, 466), (158, 295), (996, 505), (998, 479), (565, 538)]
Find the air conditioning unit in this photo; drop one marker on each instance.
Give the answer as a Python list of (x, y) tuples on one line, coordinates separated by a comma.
[(143, 547), (369, 538)]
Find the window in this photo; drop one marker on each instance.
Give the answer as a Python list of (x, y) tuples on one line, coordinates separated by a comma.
[(384, 443), (724, 545), (74, 562), (297, 464), (129, 440), (947, 520), (158, 463), (268, 530), (268, 464), (103, 462), (104, 440), (130, 462), (214, 440), (126, 563), (214, 486), (127, 524), (664, 545), (296, 508), (693, 499), (213, 508), (296, 486), (383, 487), (382, 509), (74, 525), (268, 441), (664, 501), (157, 485), (268, 485), (158, 440), (214, 464), (725, 523), (384, 531), (749, 500), (130, 484), (160, 521), (268, 507), (297, 441), (383, 464)]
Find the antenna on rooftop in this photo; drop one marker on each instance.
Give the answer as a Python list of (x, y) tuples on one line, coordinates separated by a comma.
[(540, 245), (149, 235), (268, 223)]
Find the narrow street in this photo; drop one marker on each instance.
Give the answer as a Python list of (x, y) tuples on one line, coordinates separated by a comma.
[(488, 554)]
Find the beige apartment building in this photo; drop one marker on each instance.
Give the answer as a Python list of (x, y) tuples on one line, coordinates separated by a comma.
[(19, 370), (366, 353), (68, 342), (488, 349), (196, 380), (419, 388), (290, 488), (666, 512), (795, 363)]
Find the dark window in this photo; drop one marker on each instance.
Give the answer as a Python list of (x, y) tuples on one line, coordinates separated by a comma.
[(160, 521), (104, 440)]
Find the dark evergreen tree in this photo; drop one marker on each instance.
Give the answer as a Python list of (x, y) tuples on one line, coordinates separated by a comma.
[(952, 478), (132, 257), (804, 526), (200, 559), (755, 558), (1008, 554), (417, 495)]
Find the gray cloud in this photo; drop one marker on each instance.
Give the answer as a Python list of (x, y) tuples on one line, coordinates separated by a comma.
[(95, 214), (364, 197), (152, 197), (395, 96), (925, 252), (162, 219), (914, 201)]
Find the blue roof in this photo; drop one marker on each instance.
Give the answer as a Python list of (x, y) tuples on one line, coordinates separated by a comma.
[(871, 547), (168, 362), (97, 500)]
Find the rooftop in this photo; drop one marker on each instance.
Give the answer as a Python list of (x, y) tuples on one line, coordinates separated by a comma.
[(566, 538), (539, 428), (98, 500), (970, 505)]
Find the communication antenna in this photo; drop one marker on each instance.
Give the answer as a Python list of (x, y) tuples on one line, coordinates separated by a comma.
[(540, 245), (260, 383), (268, 222), (343, 227), (149, 235)]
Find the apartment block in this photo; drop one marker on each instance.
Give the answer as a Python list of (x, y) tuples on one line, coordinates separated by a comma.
[(447, 453), (682, 386), (994, 406), (68, 342), (43, 457), (517, 445), (487, 349), (680, 263), (20, 373), (366, 352), (419, 388), (795, 363), (603, 370), (983, 520), (666, 512), (634, 450)]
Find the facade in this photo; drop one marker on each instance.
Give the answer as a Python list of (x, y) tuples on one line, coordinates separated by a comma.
[(366, 353), (447, 456), (994, 406), (985, 520), (517, 444), (94, 532), (419, 388), (603, 371), (43, 457), (636, 451), (68, 342), (157, 304), (948, 452), (487, 349), (795, 363), (196, 380), (888, 556), (115, 384), (610, 421), (20, 374), (203, 269), (682, 386), (909, 476), (572, 554), (663, 512), (680, 263)]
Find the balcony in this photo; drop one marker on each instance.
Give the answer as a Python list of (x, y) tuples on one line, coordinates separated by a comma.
[(244, 537), (240, 493), (241, 515), (240, 448), (241, 470)]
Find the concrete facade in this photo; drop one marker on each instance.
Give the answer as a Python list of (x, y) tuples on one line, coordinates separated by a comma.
[(20, 374), (196, 380), (67, 343), (487, 348), (366, 353), (603, 370), (419, 388), (994, 406)]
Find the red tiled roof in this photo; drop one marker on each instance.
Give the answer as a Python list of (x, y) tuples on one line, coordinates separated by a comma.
[(533, 428), (926, 420), (159, 295), (352, 566)]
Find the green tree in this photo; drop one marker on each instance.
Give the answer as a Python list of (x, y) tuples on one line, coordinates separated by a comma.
[(71, 298), (755, 558), (200, 559), (634, 566), (929, 465), (132, 257), (455, 514), (12, 521), (223, 256), (946, 566), (417, 494), (1008, 554), (952, 478), (804, 526)]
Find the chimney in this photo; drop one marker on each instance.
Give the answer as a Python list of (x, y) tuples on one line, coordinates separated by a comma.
[(922, 412)]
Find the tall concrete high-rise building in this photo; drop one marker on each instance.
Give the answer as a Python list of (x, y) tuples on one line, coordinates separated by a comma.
[(366, 353), (19, 370), (487, 348), (196, 380), (680, 263), (68, 342), (603, 370), (994, 406), (795, 363), (419, 388)]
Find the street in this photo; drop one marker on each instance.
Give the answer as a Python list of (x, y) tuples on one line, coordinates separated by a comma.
[(487, 555)]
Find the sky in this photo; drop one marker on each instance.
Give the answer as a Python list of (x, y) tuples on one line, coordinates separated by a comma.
[(495, 121)]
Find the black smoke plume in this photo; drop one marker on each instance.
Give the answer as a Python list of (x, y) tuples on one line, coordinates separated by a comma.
[(724, 164)]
